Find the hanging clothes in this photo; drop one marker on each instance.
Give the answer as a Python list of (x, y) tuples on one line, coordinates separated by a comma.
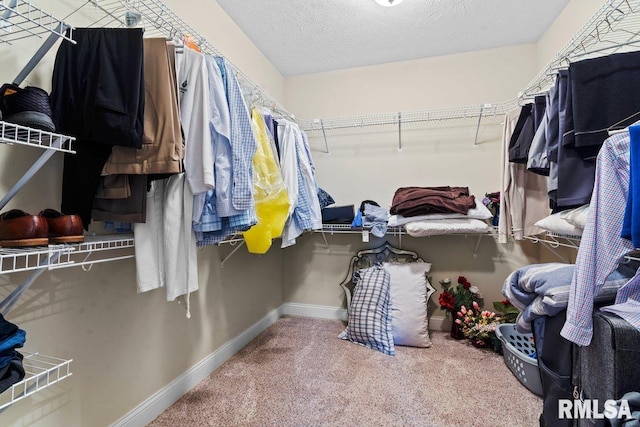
[(538, 160), (299, 179), (162, 148), (229, 208), (166, 254), (193, 96), (601, 246), (97, 96), (523, 194)]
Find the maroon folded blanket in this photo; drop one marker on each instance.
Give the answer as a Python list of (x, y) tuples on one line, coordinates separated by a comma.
[(414, 201)]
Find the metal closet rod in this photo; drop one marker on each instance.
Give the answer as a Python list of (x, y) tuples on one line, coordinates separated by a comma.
[(403, 118), (158, 15), (613, 26)]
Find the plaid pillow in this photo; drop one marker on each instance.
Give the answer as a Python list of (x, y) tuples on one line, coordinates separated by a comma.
[(369, 315)]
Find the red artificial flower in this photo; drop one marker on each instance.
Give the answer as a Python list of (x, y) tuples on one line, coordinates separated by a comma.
[(446, 301), (506, 301), (464, 282)]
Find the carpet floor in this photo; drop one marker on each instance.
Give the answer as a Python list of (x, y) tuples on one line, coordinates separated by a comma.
[(298, 373)]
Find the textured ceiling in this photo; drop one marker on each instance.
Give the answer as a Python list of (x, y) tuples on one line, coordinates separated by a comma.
[(309, 36)]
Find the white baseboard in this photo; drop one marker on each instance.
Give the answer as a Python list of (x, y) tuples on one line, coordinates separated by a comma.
[(148, 410), (310, 310), (437, 323)]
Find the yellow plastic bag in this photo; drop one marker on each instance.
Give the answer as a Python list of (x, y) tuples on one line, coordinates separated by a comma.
[(270, 194)]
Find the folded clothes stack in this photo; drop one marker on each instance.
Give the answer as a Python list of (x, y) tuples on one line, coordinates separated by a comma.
[(11, 369), (414, 201)]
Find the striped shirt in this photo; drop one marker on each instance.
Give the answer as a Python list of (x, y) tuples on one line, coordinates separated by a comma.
[(601, 246)]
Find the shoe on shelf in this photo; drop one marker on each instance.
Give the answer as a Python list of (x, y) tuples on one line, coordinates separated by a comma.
[(27, 107), (63, 228), (19, 229)]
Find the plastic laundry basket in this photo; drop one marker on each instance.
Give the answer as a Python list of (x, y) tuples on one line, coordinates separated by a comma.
[(520, 356)]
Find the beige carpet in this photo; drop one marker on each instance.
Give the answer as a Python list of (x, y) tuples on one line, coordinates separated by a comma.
[(298, 373)]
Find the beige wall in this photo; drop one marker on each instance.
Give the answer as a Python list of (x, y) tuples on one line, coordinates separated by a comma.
[(365, 163), (471, 78), (127, 346)]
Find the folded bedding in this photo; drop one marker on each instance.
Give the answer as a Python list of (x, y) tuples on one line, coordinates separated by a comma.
[(446, 226), (543, 290)]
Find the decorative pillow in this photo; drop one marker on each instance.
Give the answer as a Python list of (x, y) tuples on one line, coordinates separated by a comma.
[(555, 224), (479, 212), (446, 226), (409, 297), (576, 217), (369, 315)]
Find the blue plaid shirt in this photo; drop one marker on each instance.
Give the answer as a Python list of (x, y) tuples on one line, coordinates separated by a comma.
[(229, 208)]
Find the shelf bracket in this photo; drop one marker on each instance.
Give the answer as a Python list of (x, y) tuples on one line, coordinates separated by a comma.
[(7, 304), (35, 167), (225, 259), (399, 131), (5, 24), (324, 134), (324, 237), (475, 250), (552, 249), (40, 53), (482, 107)]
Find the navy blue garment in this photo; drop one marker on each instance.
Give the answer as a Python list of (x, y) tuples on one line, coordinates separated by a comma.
[(524, 127), (6, 357), (631, 224), (12, 373), (6, 328), (605, 91), (576, 175)]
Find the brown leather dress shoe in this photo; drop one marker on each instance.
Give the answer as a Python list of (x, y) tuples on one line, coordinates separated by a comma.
[(19, 229), (63, 228)]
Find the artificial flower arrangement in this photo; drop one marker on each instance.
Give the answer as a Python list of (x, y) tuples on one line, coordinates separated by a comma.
[(453, 297), (478, 325)]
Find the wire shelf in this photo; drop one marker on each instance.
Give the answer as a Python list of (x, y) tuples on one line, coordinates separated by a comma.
[(20, 19), (555, 240), (103, 246), (347, 229), (13, 260), (433, 116), (613, 28), (159, 21), (40, 372), (11, 133)]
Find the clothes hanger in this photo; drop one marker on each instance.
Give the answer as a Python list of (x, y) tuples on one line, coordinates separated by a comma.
[(611, 130)]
